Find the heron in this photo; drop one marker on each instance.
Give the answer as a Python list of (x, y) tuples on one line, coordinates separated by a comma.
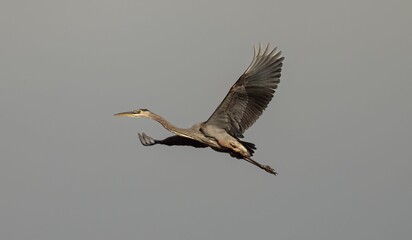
[(242, 106)]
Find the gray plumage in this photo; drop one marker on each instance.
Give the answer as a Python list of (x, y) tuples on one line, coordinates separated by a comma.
[(242, 106), (250, 95)]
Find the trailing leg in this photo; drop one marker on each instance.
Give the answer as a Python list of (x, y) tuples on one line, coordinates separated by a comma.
[(267, 168)]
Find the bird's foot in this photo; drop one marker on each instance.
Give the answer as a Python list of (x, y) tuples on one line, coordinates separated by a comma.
[(269, 169)]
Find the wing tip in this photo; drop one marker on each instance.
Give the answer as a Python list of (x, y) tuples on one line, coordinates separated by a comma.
[(259, 52), (265, 57)]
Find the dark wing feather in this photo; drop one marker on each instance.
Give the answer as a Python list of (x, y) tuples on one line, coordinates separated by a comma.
[(170, 141), (250, 95)]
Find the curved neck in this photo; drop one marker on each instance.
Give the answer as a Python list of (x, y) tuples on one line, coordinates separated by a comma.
[(166, 124)]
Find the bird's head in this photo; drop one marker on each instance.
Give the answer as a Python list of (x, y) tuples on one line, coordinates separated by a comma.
[(138, 113)]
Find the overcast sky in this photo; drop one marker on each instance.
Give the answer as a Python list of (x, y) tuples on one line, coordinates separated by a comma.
[(338, 130)]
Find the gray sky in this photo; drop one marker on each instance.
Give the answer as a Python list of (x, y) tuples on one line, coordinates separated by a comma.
[(338, 129)]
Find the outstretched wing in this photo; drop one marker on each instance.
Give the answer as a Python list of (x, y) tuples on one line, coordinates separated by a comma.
[(251, 94), (170, 141)]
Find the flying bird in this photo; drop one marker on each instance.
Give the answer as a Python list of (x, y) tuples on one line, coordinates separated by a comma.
[(242, 106)]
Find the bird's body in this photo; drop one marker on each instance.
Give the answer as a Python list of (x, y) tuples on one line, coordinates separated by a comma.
[(242, 106)]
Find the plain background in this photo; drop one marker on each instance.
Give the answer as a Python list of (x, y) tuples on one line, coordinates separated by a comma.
[(338, 129)]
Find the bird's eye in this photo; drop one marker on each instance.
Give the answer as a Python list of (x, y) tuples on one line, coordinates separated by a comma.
[(136, 111)]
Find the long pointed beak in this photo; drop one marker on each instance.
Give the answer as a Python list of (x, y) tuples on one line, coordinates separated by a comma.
[(125, 114)]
